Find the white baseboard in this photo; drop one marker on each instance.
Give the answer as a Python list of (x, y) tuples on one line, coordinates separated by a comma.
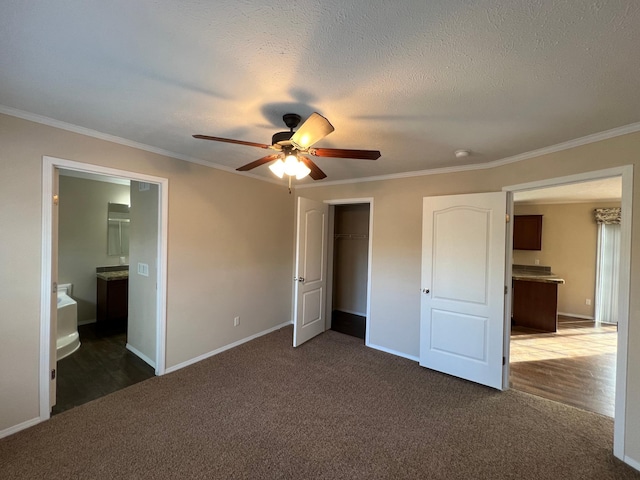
[(87, 322), (141, 355), (631, 462), (575, 315), (222, 349), (393, 352), (21, 426)]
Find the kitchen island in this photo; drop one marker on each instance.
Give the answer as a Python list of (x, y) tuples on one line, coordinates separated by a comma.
[(535, 297)]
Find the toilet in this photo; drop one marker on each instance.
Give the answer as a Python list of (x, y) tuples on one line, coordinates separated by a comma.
[(68, 340)]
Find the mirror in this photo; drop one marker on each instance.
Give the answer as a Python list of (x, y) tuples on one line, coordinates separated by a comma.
[(118, 220)]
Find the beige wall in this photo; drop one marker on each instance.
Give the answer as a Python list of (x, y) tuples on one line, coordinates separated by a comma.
[(569, 247), (229, 253), (396, 249), (82, 236)]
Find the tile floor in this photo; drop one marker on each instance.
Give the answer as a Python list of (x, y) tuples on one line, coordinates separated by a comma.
[(575, 365)]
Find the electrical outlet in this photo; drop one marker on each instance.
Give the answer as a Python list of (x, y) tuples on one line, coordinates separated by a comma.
[(537, 261), (236, 321), (588, 301)]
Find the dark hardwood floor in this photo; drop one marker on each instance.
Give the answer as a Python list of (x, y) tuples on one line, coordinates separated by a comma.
[(101, 365), (575, 365), (348, 323)]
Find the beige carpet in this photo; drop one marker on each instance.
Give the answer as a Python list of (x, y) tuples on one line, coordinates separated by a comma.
[(331, 409)]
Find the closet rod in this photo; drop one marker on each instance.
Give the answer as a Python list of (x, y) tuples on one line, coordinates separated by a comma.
[(351, 235)]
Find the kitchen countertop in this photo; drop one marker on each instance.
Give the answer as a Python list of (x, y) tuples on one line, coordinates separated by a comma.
[(117, 275), (537, 277), (535, 273)]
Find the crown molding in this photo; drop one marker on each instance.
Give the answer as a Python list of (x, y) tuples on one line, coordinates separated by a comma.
[(33, 117), (596, 137)]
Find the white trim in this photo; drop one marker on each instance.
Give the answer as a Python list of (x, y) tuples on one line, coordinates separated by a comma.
[(575, 315), (140, 355), (204, 356), (596, 137), (394, 352), (578, 142), (349, 201), (21, 426), (32, 117), (49, 164), (45, 291), (626, 172), (631, 462)]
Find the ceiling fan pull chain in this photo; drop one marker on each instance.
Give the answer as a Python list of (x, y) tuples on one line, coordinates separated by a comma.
[(289, 184)]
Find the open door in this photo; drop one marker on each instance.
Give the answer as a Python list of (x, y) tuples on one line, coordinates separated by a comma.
[(463, 286), (311, 270), (53, 361)]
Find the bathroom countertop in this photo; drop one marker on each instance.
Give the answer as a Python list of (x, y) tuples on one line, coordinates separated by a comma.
[(117, 275)]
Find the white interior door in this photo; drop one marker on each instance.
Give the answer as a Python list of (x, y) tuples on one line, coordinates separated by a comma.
[(463, 286), (53, 368), (311, 270)]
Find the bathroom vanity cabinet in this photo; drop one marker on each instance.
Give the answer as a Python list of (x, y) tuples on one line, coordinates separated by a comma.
[(113, 302)]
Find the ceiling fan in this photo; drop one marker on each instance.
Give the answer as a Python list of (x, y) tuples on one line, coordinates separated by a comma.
[(290, 146)]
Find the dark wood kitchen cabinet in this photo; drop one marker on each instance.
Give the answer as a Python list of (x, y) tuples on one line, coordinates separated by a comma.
[(113, 302), (527, 232)]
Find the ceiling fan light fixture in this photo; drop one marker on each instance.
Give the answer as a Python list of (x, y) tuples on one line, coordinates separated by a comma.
[(291, 165), (278, 168), (303, 171)]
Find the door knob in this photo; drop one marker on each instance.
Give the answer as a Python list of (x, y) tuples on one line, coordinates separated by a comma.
[(301, 279), (425, 290)]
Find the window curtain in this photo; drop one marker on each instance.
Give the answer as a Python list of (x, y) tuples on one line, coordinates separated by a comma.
[(608, 264)]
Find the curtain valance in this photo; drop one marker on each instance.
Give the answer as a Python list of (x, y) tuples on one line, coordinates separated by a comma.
[(607, 216)]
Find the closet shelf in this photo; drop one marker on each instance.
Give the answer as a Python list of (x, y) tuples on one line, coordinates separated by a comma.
[(351, 235)]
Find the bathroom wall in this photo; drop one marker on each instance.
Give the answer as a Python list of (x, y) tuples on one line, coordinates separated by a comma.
[(569, 247), (143, 248), (350, 258), (82, 236)]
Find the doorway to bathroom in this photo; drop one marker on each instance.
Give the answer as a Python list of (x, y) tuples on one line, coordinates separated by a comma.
[(97, 222)]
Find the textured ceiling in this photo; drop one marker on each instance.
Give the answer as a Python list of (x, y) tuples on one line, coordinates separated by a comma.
[(605, 190), (414, 79)]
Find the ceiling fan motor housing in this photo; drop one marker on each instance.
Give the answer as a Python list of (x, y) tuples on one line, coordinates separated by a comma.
[(279, 137)]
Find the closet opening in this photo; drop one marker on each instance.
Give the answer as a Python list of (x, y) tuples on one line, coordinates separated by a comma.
[(349, 268)]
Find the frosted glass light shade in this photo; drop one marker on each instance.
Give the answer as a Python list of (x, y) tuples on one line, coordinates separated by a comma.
[(303, 171), (277, 168), (291, 165)]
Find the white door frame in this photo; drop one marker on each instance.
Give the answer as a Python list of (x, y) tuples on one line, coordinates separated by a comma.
[(49, 164), (626, 172), (349, 201)]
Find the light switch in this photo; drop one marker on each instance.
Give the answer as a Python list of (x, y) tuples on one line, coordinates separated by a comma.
[(143, 269)]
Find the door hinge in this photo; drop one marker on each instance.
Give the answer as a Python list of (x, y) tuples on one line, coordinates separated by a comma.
[(507, 217), (504, 360), (54, 288), (506, 289), (53, 374), (55, 199)]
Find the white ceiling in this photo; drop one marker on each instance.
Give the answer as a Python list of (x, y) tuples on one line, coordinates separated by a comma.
[(605, 190), (414, 79)]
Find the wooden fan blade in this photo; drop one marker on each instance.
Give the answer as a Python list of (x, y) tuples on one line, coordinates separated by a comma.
[(257, 163), (315, 128), (345, 153), (231, 140), (316, 173)]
